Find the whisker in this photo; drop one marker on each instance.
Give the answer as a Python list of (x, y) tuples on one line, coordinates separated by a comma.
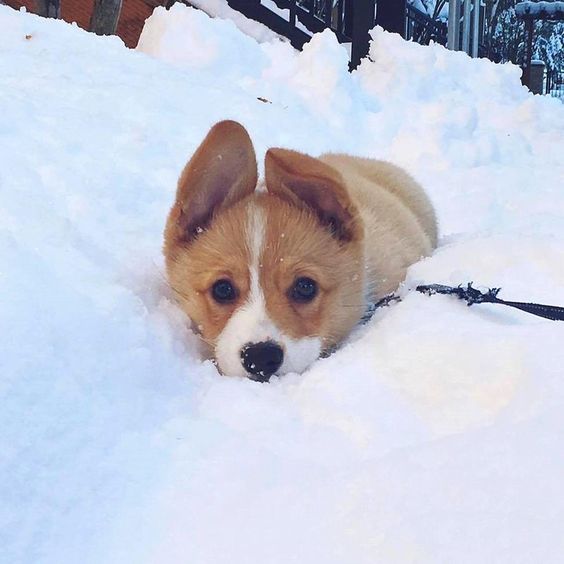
[(203, 339), (179, 293)]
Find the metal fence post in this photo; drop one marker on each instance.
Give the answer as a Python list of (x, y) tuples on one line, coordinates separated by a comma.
[(453, 42), (362, 23), (47, 8), (105, 16), (466, 23), (529, 27), (391, 15), (476, 28)]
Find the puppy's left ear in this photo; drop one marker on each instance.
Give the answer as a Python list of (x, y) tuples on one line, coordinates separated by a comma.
[(306, 182)]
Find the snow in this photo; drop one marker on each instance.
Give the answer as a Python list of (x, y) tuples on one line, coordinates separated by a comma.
[(433, 435), (221, 9), (547, 9), (428, 7)]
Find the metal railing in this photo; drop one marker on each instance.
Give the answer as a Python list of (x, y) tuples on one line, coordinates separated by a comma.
[(555, 84), (422, 28), (297, 20), (350, 20)]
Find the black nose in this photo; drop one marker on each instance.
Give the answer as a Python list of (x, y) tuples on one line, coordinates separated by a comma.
[(262, 360)]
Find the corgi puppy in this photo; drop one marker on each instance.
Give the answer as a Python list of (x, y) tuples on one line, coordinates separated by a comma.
[(273, 277)]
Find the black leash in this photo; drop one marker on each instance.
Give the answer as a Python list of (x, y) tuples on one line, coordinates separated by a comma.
[(473, 296)]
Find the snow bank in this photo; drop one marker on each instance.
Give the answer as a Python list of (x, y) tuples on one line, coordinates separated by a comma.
[(433, 435), (189, 27), (221, 9)]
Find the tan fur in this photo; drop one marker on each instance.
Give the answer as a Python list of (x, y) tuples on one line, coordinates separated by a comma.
[(400, 226), (353, 225), (192, 269), (296, 246)]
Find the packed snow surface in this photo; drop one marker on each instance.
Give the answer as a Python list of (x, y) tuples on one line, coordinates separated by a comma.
[(433, 435)]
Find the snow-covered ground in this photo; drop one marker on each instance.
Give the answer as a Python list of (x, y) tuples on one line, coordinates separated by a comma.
[(434, 435)]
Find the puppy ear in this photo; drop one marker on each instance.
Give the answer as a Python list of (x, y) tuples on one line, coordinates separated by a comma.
[(221, 172), (307, 182)]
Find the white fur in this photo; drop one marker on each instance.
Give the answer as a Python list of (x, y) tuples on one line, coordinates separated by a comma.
[(251, 323)]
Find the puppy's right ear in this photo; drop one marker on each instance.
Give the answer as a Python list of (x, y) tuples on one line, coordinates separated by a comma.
[(221, 172)]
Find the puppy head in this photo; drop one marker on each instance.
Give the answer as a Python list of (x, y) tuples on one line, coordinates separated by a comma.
[(269, 279)]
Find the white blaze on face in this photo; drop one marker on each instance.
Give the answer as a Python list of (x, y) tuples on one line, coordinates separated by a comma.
[(251, 324)]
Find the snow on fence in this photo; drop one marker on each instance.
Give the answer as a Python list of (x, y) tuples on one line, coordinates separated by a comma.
[(530, 12), (297, 20), (541, 10), (350, 20)]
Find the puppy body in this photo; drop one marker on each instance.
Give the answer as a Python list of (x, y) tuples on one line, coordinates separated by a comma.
[(271, 278), (399, 221)]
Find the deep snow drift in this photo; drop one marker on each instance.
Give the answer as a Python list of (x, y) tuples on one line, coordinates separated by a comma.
[(434, 435)]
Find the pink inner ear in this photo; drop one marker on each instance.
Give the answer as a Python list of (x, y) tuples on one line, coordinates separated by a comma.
[(199, 213), (222, 171), (320, 198)]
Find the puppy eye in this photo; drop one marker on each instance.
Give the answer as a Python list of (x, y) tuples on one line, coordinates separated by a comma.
[(303, 290), (223, 291)]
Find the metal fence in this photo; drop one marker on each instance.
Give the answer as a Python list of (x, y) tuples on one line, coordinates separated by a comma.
[(555, 84), (350, 20), (297, 20), (422, 28)]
